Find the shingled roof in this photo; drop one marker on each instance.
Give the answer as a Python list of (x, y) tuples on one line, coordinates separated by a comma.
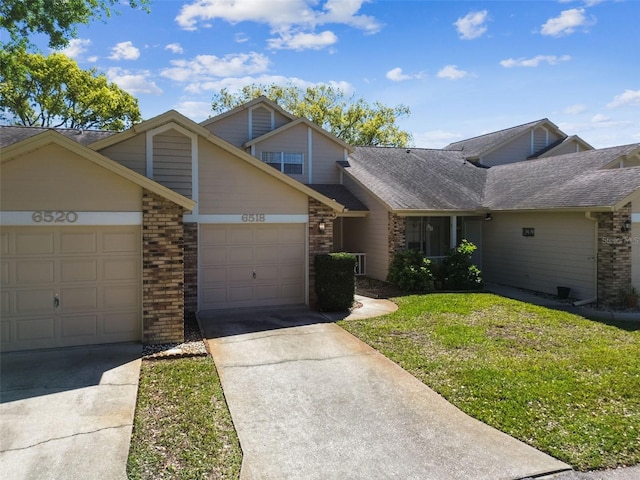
[(564, 181), (440, 180), (14, 134), (476, 147), (415, 179)]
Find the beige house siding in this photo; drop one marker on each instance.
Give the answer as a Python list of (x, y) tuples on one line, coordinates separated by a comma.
[(42, 178), (293, 140), (520, 148), (561, 252), (568, 147), (261, 121), (131, 153), (369, 234), (172, 161), (229, 185), (235, 128), (326, 152)]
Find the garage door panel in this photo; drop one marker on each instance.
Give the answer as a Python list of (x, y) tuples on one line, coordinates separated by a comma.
[(5, 332), (4, 243), (121, 269), (122, 242), (276, 252), (34, 272), (38, 328), (123, 323), (240, 255), (79, 298), (120, 296), (34, 243), (5, 273), (79, 326), (5, 302), (78, 242), (238, 235), (35, 301), (80, 270), (214, 276)]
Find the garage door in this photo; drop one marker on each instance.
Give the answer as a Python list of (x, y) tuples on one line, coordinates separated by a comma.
[(251, 265), (64, 286)]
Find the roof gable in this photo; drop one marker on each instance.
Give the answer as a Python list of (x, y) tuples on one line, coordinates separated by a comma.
[(477, 147), (16, 150), (262, 100)]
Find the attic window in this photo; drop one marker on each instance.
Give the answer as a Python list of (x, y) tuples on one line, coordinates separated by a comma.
[(286, 162)]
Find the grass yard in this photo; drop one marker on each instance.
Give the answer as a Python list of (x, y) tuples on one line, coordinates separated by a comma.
[(182, 428), (565, 385)]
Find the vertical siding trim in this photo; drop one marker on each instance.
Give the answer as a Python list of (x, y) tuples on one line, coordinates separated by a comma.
[(250, 126), (195, 174), (453, 227), (532, 136), (310, 152), (149, 154)]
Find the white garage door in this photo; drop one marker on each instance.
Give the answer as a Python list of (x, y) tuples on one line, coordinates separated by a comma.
[(64, 286), (251, 265)]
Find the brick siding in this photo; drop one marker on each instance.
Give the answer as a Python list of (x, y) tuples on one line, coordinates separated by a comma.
[(614, 255), (190, 269), (319, 242), (162, 270), (397, 234)]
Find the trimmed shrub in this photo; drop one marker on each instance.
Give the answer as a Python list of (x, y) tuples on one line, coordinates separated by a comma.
[(335, 281), (410, 271), (458, 273)]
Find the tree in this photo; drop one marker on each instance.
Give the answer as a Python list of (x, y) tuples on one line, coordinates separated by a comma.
[(55, 18), (353, 120), (54, 92)]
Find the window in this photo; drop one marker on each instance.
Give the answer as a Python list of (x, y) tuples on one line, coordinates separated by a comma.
[(286, 162), (430, 235)]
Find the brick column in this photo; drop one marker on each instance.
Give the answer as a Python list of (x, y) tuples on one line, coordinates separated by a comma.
[(190, 269), (162, 270), (397, 234), (319, 242), (614, 255)]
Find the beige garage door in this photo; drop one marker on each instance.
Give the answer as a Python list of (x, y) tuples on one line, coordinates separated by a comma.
[(251, 265), (64, 286)]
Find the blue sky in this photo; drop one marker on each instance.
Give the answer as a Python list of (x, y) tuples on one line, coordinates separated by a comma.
[(463, 68)]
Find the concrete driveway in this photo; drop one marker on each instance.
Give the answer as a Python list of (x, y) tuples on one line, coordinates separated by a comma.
[(68, 413), (310, 401)]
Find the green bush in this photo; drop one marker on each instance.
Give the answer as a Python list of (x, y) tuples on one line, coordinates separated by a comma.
[(410, 271), (335, 281), (458, 273)]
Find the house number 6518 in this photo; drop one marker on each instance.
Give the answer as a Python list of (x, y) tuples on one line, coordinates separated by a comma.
[(253, 217), (51, 216)]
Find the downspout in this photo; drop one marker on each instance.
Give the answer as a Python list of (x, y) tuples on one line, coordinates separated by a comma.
[(590, 216)]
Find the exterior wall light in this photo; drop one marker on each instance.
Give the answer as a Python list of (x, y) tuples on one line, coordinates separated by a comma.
[(488, 217), (322, 226)]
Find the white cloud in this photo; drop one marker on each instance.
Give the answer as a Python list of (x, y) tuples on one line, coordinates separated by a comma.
[(134, 83), (76, 47), (566, 23), (205, 67), (196, 111), (575, 109), (174, 48), (600, 118), (397, 75), (293, 20), (452, 72), (535, 61), (472, 25), (236, 83), (124, 51), (436, 138), (303, 41), (629, 97)]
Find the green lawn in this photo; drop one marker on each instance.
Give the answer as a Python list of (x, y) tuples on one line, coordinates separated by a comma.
[(182, 428), (565, 385)]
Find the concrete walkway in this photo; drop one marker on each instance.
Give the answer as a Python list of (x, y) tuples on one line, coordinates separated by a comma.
[(311, 401), (68, 413)]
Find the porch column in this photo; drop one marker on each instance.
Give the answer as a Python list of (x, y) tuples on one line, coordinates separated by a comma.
[(453, 225), (614, 255)]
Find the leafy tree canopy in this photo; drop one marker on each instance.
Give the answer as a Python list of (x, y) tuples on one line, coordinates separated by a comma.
[(54, 92), (351, 119), (55, 18)]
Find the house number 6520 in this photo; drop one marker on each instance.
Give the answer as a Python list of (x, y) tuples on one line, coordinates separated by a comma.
[(51, 216)]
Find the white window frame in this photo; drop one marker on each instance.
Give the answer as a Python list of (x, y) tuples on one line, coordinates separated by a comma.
[(282, 163)]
